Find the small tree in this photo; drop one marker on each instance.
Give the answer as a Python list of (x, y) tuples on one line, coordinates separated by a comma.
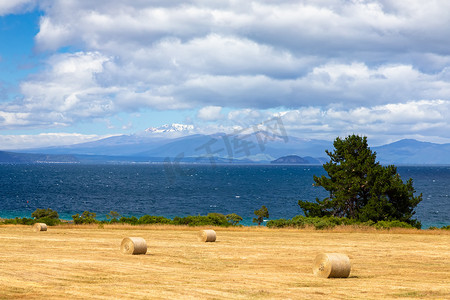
[(261, 213), (45, 213), (234, 219), (360, 188), (85, 218), (113, 216)]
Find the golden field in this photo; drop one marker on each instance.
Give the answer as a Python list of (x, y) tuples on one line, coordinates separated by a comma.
[(85, 262)]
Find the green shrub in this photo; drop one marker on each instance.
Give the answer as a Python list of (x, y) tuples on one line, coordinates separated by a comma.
[(298, 221), (20, 221), (217, 219), (330, 222), (28, 221), (49, 221), (189, 220), (302, 221), (85, 218), (446, 227), (147, 219), (323, 224), (77, 219), (132, 220), (392, 224), (213, 219), (320, 222), (279, 223), (367, 223), (45, 213)]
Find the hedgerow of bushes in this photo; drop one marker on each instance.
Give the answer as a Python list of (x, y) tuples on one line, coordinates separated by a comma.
[(330, 222), (212, 219), (51, 218), (40, 215), (29, 221)]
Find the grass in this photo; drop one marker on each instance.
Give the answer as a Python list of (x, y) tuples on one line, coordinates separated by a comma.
[(75, 262)]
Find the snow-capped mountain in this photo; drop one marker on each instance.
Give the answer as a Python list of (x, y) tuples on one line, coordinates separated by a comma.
[(174, 127), (171, 141)]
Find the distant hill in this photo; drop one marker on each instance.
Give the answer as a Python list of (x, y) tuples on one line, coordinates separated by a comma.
[(295, 159), (224, 147), (121, 145), (253, 147), (409, 151), (27, 158)]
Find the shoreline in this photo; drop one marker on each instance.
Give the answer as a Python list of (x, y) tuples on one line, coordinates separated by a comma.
[(243, 223)]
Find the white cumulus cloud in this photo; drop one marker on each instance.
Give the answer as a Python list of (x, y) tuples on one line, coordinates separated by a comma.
[(422, 119), (15, 6), (334, 59), (210, 113)]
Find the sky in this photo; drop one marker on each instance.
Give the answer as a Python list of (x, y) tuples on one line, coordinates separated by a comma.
[(74, 71)]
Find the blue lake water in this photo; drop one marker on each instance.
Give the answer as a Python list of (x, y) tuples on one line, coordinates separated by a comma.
[(136, 190)]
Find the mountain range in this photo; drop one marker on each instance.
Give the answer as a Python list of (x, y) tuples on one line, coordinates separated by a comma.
[(297, 160), (159, 144)]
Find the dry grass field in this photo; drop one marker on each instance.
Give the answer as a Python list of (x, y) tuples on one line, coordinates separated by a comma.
[(85, 262)]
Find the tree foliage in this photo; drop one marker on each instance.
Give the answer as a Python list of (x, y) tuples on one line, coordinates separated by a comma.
[(233, 219), (361, 188), (261, 213), (113, 216), (45, 213), (86, 217)]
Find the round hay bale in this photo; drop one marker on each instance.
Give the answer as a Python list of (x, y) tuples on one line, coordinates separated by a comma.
[(39, 227), (133, 245), (332, 265), (207, 236)]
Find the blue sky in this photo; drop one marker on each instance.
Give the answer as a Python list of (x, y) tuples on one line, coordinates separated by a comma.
[(73, 71)]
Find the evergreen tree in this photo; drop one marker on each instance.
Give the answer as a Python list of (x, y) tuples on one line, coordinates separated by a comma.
[(360, 188)]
